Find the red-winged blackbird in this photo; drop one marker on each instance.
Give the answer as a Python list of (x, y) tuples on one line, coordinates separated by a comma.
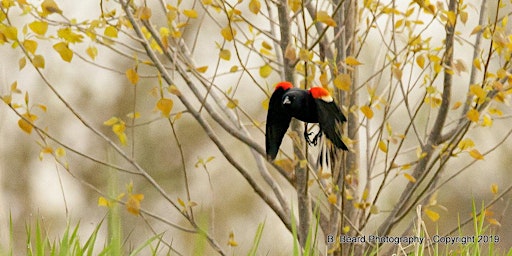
[(315, 105)]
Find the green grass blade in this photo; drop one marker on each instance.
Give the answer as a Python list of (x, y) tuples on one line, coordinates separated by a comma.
[(91, 241), (145, 244), (11, 234), (40, 243), (64, 242), (296, 247), (257, 239), (28, 231)]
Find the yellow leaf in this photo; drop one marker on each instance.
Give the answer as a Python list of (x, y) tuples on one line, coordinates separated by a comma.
[(232, 103), (264, 103), (119, 129), (110, 31), (459, 66), (92, 51), (494, 189), (476, 90), (477, 64), (144, 13), (477, 29), (397, 73), (133, 115), (266, 45), (382, 146), (286, 164), (47, 150), (255, 6), (290, 53), (132, 76), (487, 121), (202, 69), (42, 107), (474, 153), (332, 198), (7, 99), (174, 90), (228, 33), (65, 53), (60, 152), (8, 32), (265, 70), (190, 13), (495, 111), (420, 60), (451, 18), (225, 54), (113, 120), (432, 215), (49, 7), (410, 177), (346, 229), (324, 17), (231, 241), (464, 17), (103, 202), (181, 202), (69, 36), (494, 222), (38, 61), (323, 79), (133, 203), (26, 126), (165, 106), (367, 111), (352, 61), (30, 45), (305, 54), (294, 5), (374, 209), (233, 69), (21, 63), (456, 105), (466, 144), (343, 82), (473, 115)]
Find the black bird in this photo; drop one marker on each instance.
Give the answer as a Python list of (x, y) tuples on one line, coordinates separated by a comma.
[(315, 105)]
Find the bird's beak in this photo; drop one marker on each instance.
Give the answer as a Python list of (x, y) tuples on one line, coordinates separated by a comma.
[(287, 100)]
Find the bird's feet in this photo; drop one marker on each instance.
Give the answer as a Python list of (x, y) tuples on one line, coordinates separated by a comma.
[(314, 141)]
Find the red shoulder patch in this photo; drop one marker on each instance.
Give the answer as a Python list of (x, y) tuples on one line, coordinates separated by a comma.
[(284, 85), (320, 93)]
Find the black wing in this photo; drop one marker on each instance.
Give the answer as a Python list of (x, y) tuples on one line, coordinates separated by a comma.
[(278, 121), (330, 119)]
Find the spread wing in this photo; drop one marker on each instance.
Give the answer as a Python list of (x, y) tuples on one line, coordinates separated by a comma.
[(278, 121), (330, 119)]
